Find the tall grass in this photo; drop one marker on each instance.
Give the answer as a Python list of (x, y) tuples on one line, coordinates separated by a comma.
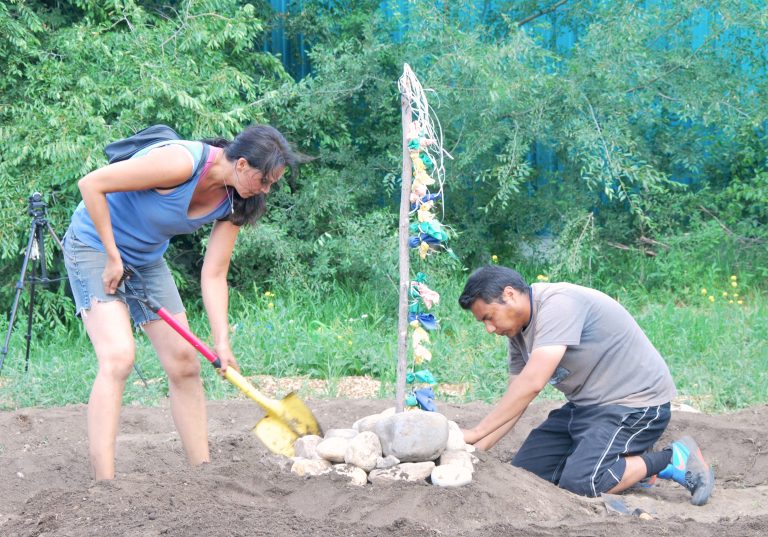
[(716, 350)]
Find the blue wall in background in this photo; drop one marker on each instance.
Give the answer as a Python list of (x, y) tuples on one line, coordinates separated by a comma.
[(557, 35)]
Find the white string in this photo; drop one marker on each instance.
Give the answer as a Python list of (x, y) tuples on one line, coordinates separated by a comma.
[(427, 125)]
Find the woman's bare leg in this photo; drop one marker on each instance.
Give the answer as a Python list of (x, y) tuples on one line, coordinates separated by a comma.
[(182, 365), (109, 328)]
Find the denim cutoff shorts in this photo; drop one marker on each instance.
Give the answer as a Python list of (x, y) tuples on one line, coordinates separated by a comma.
[(85, 266)]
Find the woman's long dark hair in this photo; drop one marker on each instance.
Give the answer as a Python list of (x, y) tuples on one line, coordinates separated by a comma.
[(266, 150)]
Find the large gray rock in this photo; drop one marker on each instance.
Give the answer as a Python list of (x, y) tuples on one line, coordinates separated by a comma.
[(369, 422), (413, 436), (363, 451)]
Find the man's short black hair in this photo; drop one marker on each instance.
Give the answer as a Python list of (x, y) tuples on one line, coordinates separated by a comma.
[(487, 284)]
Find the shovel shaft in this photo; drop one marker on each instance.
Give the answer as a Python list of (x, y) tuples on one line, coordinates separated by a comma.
[(270, 406), (186, 334), (239, 381)]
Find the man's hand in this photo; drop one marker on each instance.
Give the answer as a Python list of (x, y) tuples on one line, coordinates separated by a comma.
[(470, 436)]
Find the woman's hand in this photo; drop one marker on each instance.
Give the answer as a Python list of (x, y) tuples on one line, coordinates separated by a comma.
[(112, 275), (227, 358)]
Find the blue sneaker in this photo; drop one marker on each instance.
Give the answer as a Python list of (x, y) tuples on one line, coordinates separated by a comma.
[(689, 469)]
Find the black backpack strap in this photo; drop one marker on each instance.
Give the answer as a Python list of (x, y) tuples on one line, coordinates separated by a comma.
[(197, 171), (127, 147)]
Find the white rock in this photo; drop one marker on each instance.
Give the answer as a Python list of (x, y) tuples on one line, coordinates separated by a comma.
[(308, 467), (386, 462), (413, 472), (451, 475), (306, 446), (455, 437), (682, 407), (356, 476), (459, 457), (333, 449), (416, 471), (340, 433), (363, 451)]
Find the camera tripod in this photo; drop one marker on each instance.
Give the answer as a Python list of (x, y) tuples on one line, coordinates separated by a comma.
[(35, 252), (38, 274)]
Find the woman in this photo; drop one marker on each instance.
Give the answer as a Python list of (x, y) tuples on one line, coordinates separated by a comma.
[(129, 212)]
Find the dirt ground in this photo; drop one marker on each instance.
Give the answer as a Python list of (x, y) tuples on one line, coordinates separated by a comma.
[(46, 489)]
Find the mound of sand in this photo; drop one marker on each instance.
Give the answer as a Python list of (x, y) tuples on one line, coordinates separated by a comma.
[(46, 489)]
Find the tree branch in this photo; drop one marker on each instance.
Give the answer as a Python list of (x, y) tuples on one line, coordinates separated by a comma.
[(541, 13), (743, 240), (683, 65)]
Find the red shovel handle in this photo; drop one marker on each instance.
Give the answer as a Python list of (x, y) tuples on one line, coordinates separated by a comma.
[(184, 332)]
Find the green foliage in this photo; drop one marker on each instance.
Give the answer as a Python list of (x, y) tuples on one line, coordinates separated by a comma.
[(97, 71), (639, 99), (635, 102), (715, 350)]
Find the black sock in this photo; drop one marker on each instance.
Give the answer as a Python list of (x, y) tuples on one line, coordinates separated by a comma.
[(656, 461)]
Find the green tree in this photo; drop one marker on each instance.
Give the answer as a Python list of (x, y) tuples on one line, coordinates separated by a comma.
[(79, 74)]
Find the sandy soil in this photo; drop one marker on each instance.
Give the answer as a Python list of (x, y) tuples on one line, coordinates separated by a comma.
[(46, 489)]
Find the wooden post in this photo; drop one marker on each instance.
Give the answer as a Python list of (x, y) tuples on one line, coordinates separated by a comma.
[(405, 278)]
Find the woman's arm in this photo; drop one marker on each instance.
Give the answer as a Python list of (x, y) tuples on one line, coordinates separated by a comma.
[(213, 281), (162, 167)]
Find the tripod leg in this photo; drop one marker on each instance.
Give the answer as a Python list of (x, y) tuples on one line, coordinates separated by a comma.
[(30, 312), (19, 287), (138, 372)]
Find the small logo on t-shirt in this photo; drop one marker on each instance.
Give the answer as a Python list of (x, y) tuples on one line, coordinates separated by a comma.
[(561, 373)]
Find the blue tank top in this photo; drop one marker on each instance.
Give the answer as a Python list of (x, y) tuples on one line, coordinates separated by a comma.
[(144, 221)]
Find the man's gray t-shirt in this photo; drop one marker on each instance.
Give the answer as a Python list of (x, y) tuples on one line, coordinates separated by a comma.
[(608, 359)]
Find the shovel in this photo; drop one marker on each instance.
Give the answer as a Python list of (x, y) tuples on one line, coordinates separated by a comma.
[(286, 420)]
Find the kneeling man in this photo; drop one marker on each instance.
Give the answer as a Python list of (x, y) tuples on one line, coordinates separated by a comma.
[(617, 384)]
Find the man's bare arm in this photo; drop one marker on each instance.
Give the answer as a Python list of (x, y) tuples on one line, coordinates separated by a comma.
[(521, 391)]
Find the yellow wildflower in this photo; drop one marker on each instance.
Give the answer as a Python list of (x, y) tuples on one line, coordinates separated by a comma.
[(734, 284), (703, 290), (725, 293), (740, 302), (495, 258), (733, 277), (711, 298), (271, 305)]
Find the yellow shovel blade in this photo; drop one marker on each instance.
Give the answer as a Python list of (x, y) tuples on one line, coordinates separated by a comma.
[(276, 435), (297, 415), (290, 410)]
